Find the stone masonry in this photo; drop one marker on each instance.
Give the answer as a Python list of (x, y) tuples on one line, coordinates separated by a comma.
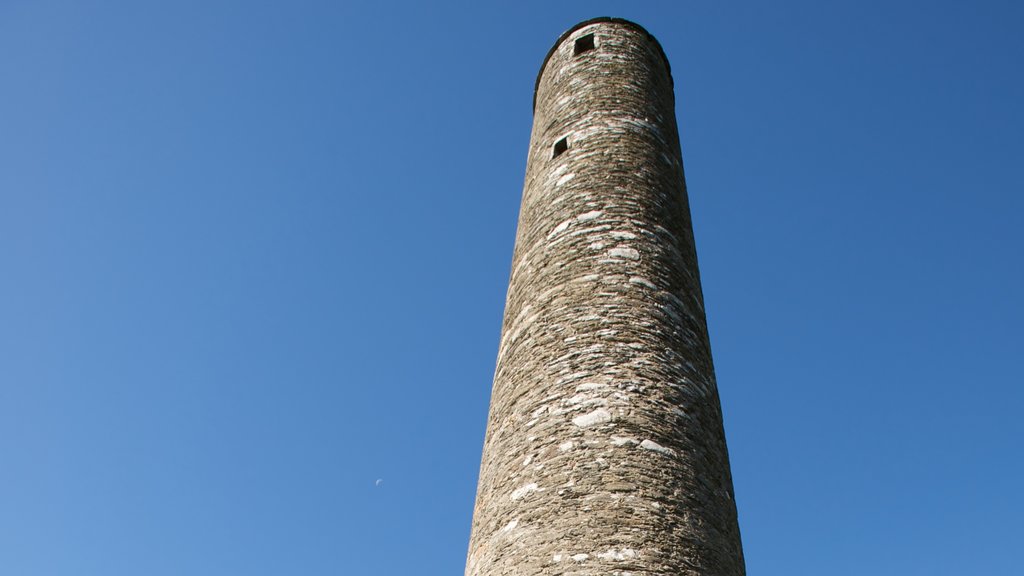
[(605, 452)]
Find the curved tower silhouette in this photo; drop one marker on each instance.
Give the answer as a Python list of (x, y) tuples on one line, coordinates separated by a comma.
[(605, 452)]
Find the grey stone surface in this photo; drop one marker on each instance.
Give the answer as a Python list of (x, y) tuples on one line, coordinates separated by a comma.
[(605, 452)]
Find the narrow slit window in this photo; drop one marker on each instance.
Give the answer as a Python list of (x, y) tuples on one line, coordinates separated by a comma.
[(583, 43), (561, 146)]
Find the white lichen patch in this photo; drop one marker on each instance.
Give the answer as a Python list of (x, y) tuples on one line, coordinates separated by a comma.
[(564, 179), (624, 252), (599, 416), (651, 445), (624, 441), (556, 558), (585, 401), (588, 216), (566, 446), (596, 246), (510, 526), (590, 231), (643, 282), (518, 493), (621, 235), (559, 229), (580, 557), (527, 460), (618, 555)]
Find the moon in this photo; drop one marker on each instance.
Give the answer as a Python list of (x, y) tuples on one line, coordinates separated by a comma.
[(378, 482)]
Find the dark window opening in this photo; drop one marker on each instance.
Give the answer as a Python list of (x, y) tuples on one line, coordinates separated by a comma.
[(583, 43), (561, 146)]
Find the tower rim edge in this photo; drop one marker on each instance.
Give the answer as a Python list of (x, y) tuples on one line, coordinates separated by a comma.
[(567, 33)]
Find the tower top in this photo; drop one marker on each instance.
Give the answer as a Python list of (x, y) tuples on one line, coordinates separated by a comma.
[(599, 20)]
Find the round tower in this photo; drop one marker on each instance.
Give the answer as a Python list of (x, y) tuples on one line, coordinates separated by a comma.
[(605, 452)]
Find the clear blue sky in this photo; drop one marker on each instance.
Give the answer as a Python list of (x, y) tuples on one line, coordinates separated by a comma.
[(254, 259)]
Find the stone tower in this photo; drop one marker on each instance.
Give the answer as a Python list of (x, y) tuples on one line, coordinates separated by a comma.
[(605, 452)]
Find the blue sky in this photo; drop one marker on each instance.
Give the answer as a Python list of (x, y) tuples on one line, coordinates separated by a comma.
[(254, 259)]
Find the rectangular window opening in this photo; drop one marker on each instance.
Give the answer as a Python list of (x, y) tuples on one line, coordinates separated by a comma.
[(583, 43), (561, 146)]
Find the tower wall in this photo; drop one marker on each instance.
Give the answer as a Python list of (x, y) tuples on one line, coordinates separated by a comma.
[(605, 452)]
